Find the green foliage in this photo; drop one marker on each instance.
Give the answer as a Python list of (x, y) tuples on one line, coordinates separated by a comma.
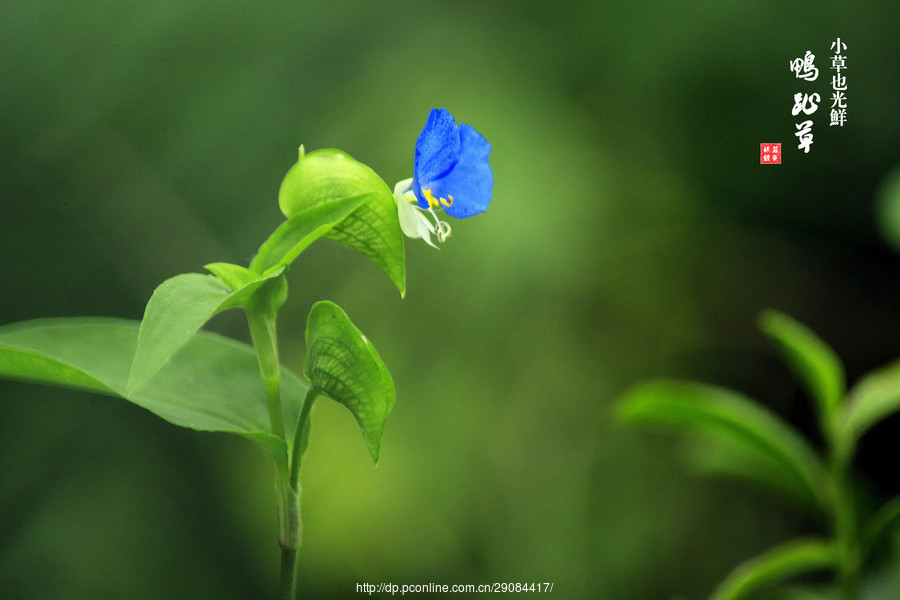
[(787, 560), (326, 193), (210, 384), (889, 208), (746, 440), (299, 231), (178, 308), (816, 364), (343, 364), (749, 440), (206, 382), (875, 397), (881, 523)]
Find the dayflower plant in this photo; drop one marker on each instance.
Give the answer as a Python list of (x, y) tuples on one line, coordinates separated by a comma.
[(199, 380), (451, 173)]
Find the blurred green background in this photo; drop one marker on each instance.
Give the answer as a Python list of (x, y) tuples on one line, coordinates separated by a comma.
[(633, 234)]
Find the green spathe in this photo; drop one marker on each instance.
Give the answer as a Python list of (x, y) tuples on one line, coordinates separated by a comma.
[(327, 175)]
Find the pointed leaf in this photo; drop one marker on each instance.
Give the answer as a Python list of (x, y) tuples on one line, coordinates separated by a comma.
[(179, 307), (233, 276), (782, 562), (812, 360), (211, 384), (344, 365), (373, 228), (266, 292), (754, 436), (882, 522), (721, 455), (294, 235), (875, 397)]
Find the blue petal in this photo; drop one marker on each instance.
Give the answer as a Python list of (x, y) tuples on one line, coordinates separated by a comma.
[(471, 180), (437, 151)]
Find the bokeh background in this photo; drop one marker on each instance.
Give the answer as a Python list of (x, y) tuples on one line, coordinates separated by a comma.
[(633, 234)]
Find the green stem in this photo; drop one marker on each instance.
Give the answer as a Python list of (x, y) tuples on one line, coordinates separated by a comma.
[(301, 435), (288, 537), (265, 342), (288, 589), (846, 527), (290, 525)]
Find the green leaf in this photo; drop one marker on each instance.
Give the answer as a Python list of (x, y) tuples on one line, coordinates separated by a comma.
[(887, 209), (294, 235), (812, 360), (782, 562), (718, 454), (875, 397), (211, 384), (180, 306), (882, 522), (373, 229), (343, 364), (266, 292), (233, 276), (798, 592), (760, 446)]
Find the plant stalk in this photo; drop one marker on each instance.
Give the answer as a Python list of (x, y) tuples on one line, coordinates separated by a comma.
[(289, 535), (290, 525), (846, 527), (265, 342), (301, 436)]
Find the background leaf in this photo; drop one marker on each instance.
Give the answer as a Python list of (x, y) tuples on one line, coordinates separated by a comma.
[(780, 563), (812, 360), (874, 397), (760, 446), (344, 365), (211, 384), (883, 521), (373, 229)]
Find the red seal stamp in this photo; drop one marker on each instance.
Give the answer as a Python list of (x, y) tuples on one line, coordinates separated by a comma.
[(770, 154)]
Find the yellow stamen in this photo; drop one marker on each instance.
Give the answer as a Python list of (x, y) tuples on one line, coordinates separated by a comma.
[(430, 197), (434, 202)]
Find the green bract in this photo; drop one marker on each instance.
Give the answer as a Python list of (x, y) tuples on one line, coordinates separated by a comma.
[(343, 364), (327, 175)]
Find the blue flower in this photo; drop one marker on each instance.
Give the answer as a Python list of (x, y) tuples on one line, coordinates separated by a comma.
[(451, 167), (451, 173)]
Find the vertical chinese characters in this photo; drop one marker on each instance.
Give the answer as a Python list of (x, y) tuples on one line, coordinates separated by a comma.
[(806, 102), (804, 68), (838, 84)]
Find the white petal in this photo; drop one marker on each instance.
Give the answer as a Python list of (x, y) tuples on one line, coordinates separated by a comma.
[(413, 223)]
